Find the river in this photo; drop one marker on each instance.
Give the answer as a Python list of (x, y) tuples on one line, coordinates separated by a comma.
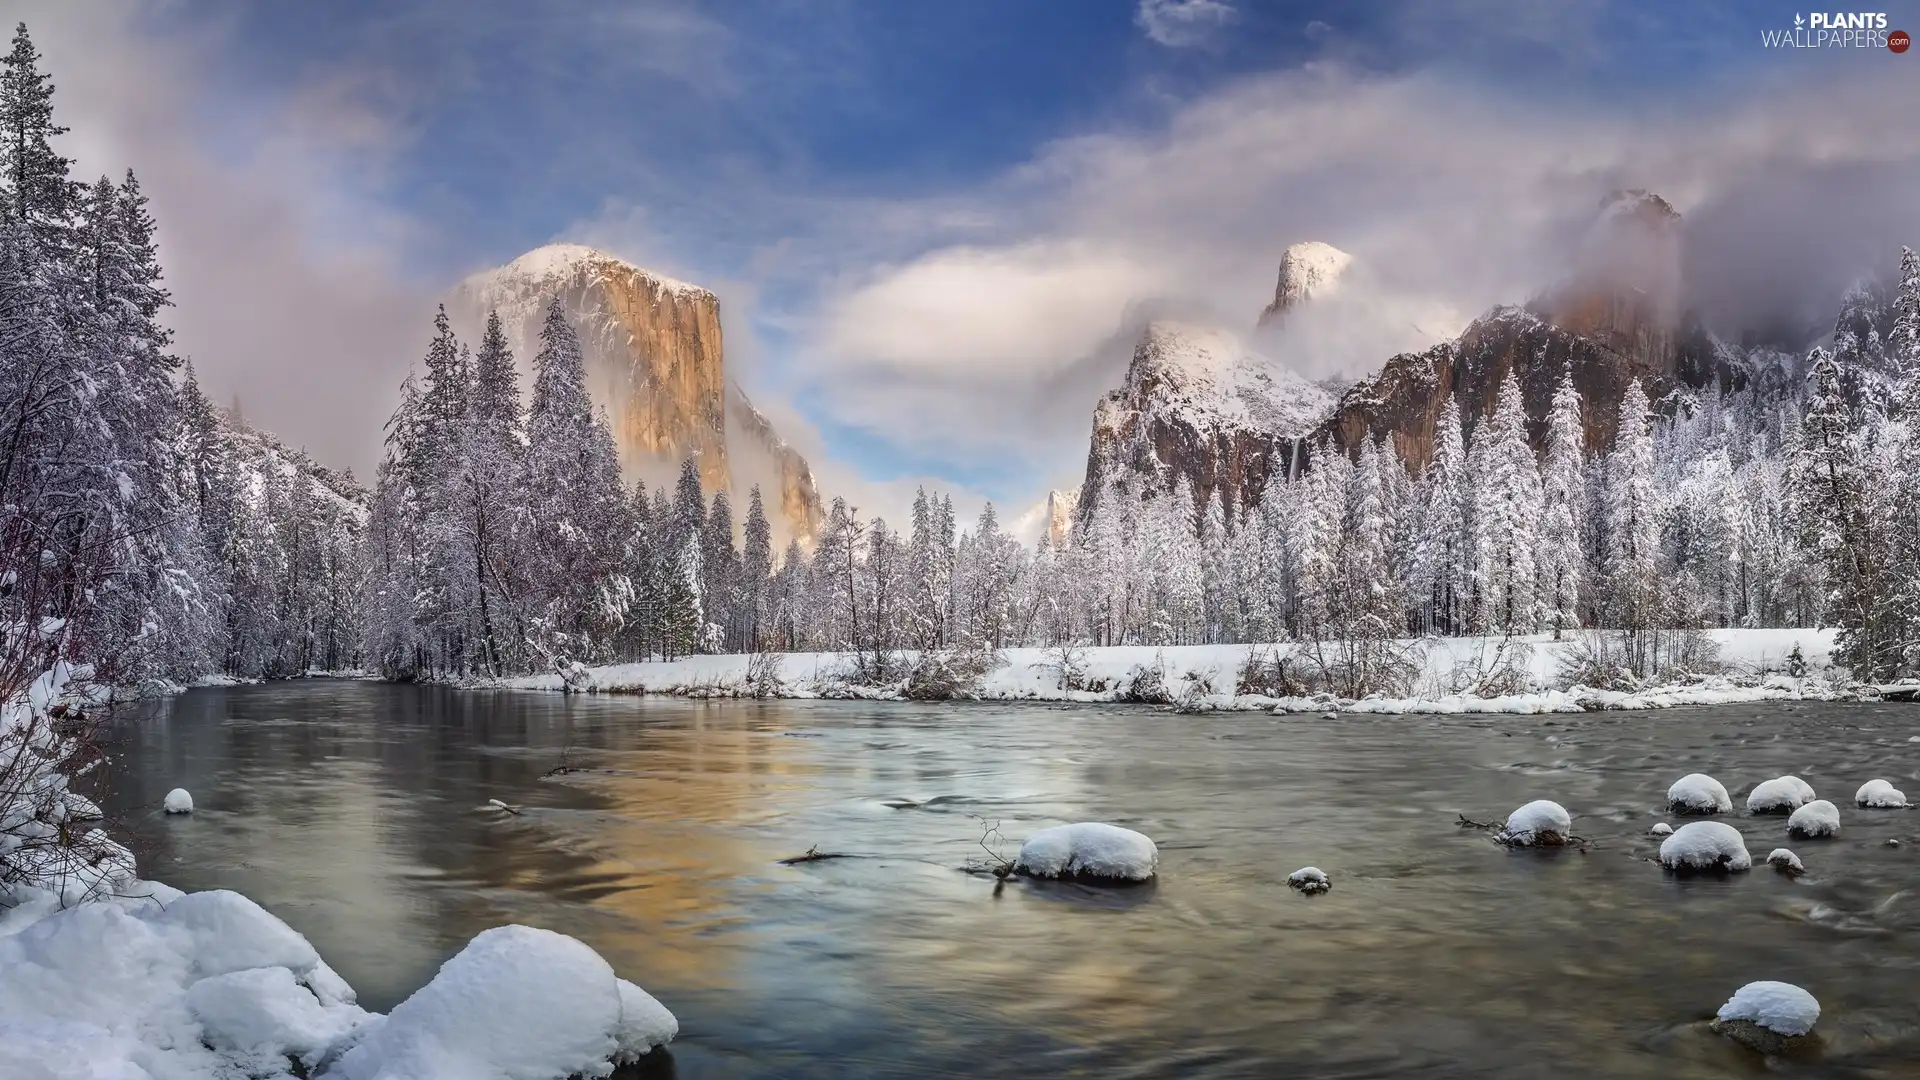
[(357, 812)]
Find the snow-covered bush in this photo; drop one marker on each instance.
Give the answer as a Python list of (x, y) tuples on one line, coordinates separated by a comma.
[(1879, 795), (763, 678), (1310, 879), (1089, 850), (1698, 793), (1068, 659), (1816, 819), (1541, 823), (1267, 673), (44, 741), (1495, 667), (1780, 795), (1705, 846), (1147, 684)]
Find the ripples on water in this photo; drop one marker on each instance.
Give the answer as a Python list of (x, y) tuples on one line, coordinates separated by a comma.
[(354, 811)]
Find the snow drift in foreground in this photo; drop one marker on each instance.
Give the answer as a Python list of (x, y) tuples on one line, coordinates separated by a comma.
[(1781, 1008), (1209, 677), (1089, 850), (1705, 845), (209, 985)]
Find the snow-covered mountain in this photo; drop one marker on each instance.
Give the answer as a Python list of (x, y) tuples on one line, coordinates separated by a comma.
[(1307, 269), (656, 363), (1197, 404), (1617, 315)]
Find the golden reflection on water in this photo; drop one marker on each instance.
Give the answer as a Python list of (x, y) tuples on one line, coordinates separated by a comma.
[(356, 813)]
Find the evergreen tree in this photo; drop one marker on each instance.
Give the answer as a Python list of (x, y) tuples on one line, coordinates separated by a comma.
[(756, 572), (1563, 492)]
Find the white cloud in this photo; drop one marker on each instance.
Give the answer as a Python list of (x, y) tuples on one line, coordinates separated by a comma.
[(1182, 23), (283, 261)]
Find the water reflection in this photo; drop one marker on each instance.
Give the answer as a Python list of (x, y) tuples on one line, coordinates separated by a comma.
[(354, 811)]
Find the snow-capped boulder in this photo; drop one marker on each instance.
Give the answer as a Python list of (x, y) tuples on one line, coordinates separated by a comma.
[(1879, 795), (1705, 846), (1816, 819), (178, 802), (1089, 850), (516, 1002), (1780, 795), (1768, 1016), (1661, 828), (1698, 793), (645, 1024), (1310, 879), (1542, 823), (1786, 862), (223, 931)]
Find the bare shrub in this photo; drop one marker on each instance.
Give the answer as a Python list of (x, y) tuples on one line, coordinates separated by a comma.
[(1147, 684), (762, 679), (951, 674), (1069, 663), (48, 839), (1499, 670), (1358, 667), (1269, 672), (1630, 659)]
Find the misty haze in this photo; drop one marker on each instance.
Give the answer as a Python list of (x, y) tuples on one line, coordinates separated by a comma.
[(1167, 538)]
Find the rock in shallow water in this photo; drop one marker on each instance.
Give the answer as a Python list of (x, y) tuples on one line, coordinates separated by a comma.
[(178, 802), (1698, 793), (1089, 849), (1705, 846), (1310, 879), (1770, 1017)]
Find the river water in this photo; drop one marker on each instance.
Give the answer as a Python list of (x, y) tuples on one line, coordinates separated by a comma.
[(355, 811)]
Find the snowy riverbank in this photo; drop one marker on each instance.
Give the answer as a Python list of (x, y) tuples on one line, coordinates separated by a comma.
[(1753, 665)]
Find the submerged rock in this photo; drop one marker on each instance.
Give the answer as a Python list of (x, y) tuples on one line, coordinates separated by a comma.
[(1786, 862)]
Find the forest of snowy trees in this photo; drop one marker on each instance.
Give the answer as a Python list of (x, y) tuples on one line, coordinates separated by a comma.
[(502, 541), (141, 529), (157, 537)]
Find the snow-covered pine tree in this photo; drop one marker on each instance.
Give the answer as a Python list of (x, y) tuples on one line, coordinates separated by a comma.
[(1562, 553), (1443, 551), (1506, 518), (756, 572), (1632, 562)]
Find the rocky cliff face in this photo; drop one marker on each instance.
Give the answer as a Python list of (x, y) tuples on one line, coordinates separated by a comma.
[(1197, 404), (655, 361), (1619, 316)]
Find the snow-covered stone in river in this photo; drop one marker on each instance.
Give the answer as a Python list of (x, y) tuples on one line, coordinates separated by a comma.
[(1879, 795), (178, 802), (1089, 850), (264, 1011), (1781, 1008), (516, 1002), (1310, 879), (1785, 861), (1816, 819), (1780, 795), (1661, 828), (1698, 793), (1705, 845), (1541, 822)]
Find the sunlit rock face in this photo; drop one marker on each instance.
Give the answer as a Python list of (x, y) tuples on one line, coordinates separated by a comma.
[(656, 363)]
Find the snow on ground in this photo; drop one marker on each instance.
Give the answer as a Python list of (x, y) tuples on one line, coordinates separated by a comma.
[(1698, 793), (1089, 849), (1207, 677), (1781, 1008), (178, 801), (1879, 795), (1780, 795), (1816, 819), (1539, 822), (158, 985), (1705, 845)]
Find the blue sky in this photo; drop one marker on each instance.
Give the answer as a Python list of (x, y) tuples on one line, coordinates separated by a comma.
[(927, 221)]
